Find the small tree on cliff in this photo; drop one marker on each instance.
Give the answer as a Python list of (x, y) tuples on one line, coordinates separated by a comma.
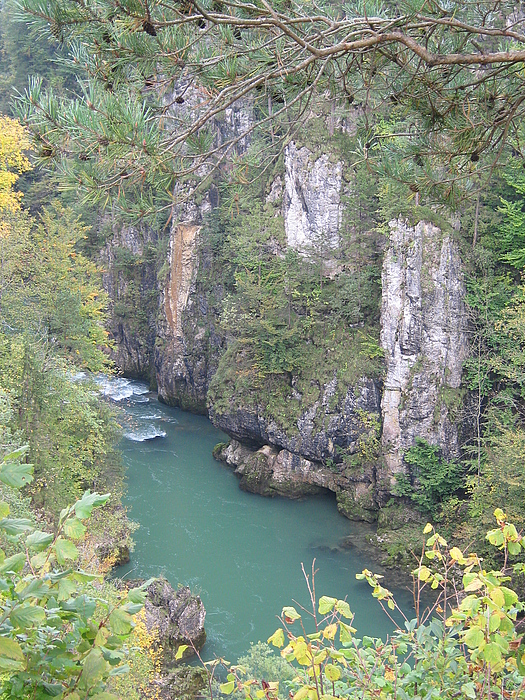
[(437, 87)]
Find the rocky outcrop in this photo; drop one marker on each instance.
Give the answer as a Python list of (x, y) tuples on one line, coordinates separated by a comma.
[(324, 449), (332, 421), (180, 380), (312, 200), (175, 618), (273, 472), (183, 683), (188, 343), (341, 432), (423, 334)]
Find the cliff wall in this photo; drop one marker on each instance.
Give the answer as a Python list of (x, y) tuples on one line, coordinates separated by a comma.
[(376, 326), (424, 336), (129, 260)]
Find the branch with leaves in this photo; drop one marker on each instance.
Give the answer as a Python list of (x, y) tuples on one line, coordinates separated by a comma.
[(448, 77)]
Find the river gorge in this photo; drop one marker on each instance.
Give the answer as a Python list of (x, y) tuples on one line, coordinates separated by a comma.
[(240, 552)]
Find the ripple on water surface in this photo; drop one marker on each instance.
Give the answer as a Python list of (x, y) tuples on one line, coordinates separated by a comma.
[(242, 553)]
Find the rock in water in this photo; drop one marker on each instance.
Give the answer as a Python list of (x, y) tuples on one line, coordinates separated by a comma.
[(176, 617)]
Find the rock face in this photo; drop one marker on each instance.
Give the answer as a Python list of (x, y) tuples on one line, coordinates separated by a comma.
[(312, 200), (180, 381), (176, 617), (130, 279), (338, 432), (188, 344), (273, 472), (423, 334), (273, 460), (319, 430)]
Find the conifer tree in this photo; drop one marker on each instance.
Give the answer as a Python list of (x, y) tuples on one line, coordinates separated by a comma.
[(437, 88)]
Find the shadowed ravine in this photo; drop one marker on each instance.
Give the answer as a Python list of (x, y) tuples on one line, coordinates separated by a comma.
[(242, 553)]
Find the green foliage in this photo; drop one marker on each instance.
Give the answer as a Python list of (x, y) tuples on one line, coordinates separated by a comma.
[(57, 635), (432, 480), (260, 661), (52, 310), (72, 433), (25, 51), (500, 478), (512, 235), (290, 318), (423, 118), (51, 291)]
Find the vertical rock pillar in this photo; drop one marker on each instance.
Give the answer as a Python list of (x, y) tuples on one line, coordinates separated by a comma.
[(423, 335)]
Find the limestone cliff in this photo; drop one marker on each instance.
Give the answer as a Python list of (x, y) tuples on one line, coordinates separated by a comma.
[(178, 381), (324, 448), (188, 342), (342, 419), (312, 206), (423, 334)]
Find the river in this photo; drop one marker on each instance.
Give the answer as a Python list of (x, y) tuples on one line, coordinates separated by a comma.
[(242, 553)]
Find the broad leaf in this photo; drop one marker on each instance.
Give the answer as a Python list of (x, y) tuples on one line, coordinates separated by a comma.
[(16, 475), (82, 604), (53, 689), (27, 616), (14, 563), (137, 595), (35, 589), (93, 669), (343, 609), (74, 529), (333, 673), (39, 540), (16, 526), (326, 604), (290, 614), (66, 588), (120, 622), (227, 688), (492, 653), (345, 633), (277, 638), (180, 651), (474, 637), (65, 550), (89, 501), (11, 655)]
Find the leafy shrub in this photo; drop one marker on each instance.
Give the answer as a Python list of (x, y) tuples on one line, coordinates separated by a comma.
[(58, 636), (432, 481)]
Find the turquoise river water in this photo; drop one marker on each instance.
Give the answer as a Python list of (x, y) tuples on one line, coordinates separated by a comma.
[(242, 553)]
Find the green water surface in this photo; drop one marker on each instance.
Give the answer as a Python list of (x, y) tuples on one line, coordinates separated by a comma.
[(242, 553)]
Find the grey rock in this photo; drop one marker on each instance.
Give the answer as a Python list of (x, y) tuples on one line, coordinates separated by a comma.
[(133, 351), (175, 617), (312, 206), (319, 430), (423, 334), (188, 342), (269, 471)]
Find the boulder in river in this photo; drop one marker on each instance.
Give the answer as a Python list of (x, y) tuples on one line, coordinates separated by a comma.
[(177, 618)]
